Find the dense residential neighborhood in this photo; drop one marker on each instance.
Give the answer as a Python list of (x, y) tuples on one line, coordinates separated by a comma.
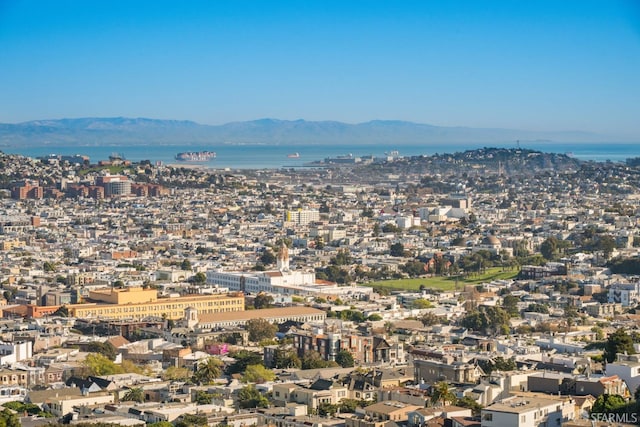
[(490, 288)]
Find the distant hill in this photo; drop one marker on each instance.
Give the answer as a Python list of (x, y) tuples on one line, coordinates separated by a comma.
[(133, 131)]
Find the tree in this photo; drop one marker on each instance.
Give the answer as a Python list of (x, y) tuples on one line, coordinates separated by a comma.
[(199, 278), (250, 397), (9, 419), (243, 359), (262, 300), (49, 266), (343, 257), (376, 229), (430, 319), (606, 244), (260, 329), (459, 241), (421, 303), (487, 320), (607, 403), (599, 332), (203, 398), (618, 342), (375, 317), (390, 228), (176, 373), (258, 374), (208, 371), (570, 315), (327, 409), (502, 364), (442, 394), (62, 311), (497, 364), (510, 304), (190, 420), (397, 249), (104, 348), (345, 359), (468, 402), (538, 308), (267, 257), (549, 248), (185, 265), (414, 268), (98, 365), (286, 358), (313, 360), (135, 394), (128, 366)]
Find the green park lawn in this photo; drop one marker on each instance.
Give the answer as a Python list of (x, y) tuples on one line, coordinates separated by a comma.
[(113, 170), (445, 283)]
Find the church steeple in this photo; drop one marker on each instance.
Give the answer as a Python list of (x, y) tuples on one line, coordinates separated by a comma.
[(283, 258)]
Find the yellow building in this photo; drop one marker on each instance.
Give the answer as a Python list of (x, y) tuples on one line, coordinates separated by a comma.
[(133, 295), (138, 303), (7, 245)]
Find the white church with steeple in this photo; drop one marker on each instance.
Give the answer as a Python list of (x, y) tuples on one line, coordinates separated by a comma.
[(282, 280)]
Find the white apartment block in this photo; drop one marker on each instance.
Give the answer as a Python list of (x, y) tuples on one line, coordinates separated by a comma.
[(302, 216), (628, 369), (528, 412), (626, 294), (11, 353)]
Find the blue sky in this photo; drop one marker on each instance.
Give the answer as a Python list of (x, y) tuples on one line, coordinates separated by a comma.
[(538, 65)]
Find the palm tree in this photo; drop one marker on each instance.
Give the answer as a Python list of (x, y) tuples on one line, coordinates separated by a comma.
[(207, 371), (134, 395), (442, 393)]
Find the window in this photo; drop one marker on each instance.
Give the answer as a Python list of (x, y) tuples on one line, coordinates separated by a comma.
[(487, 417)]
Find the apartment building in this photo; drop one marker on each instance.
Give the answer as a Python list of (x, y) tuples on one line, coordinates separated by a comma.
[(431, 371), (302, 216), (626, 367), (138, 303)]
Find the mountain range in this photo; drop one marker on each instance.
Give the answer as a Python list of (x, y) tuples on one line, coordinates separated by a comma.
[(133, 131)]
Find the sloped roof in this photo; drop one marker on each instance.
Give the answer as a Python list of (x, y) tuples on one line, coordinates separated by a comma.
[(118, 341)]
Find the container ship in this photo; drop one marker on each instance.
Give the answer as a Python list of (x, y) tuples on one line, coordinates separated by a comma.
[(196, 156)]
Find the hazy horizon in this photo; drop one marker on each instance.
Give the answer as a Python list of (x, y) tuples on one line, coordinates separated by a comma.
[(544, 66)]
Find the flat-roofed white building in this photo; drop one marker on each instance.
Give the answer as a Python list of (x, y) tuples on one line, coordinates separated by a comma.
[(527, 411), (627, 368)]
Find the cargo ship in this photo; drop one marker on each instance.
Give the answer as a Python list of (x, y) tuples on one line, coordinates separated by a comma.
[(196, 156)]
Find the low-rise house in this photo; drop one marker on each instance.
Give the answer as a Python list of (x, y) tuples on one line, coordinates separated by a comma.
[(382, 412), (9, 377), (627, 368), (62, 405), (12, 393), (411, 396), (39, 397), (557, 383), (319, 392), (173, 412), (291, 416), (421, 417)]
